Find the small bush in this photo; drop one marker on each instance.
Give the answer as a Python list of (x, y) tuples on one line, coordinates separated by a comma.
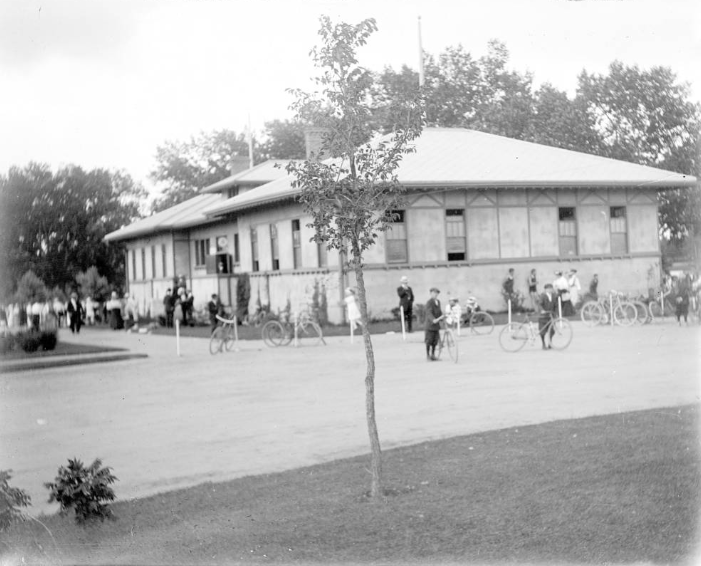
[(30, 342), (11, 499), (48, 341), (86, 490)]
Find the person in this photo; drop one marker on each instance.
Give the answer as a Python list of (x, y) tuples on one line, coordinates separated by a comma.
[(189, 308), (75, 313), (507, 286), (453, 312), (561, 288), (90, 311), (594, 288), (168, 308), (114, 308), (434, 315), (548, 307), (36, 315), (533, 289), (682, 299), (406, 301), (59, 310), (352, 308), (574, 287), (131, 310), (215, 308)]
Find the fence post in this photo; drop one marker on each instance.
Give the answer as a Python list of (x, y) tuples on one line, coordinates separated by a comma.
[(401, 316)]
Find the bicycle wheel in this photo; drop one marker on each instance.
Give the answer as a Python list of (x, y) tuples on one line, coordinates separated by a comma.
[(655, 309), (513, 337), (481, 323), (592, 314), (562, 335), (642, 313), (309, 333), (625, 314), (216, 340), (229, 339), (452, 345), (273, 333)]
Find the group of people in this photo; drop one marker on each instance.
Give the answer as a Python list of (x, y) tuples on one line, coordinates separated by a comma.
[(179, 306), (566, 285), (39, 315), (684, 291)]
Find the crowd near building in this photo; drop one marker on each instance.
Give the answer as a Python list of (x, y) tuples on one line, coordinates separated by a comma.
[(477, 205)]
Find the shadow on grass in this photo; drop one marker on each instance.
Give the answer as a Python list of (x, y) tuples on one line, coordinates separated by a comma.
[(614, 489)]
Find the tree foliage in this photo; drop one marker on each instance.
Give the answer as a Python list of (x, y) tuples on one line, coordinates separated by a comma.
[(183, 168), (54, 223), (349, 194), (283, 140), (93, 285)]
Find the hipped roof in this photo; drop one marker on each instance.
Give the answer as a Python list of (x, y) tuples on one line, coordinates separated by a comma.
[(456, 157)]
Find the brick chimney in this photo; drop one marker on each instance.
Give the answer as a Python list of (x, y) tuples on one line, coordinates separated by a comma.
[(238, 163), (313, 140)]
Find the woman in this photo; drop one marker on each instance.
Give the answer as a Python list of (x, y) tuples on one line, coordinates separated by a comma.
[(352, 306), (533, 289)]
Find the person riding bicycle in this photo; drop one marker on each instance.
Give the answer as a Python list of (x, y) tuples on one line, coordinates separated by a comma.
[(548, 308)]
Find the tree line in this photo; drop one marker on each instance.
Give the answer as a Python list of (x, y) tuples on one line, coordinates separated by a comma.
[(53, 223)]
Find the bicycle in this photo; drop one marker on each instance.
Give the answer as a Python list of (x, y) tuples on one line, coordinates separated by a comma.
[(662, 306), (479, 321), (615, 305), (224, 336), (282, 332), (449, 342), (514, 335)]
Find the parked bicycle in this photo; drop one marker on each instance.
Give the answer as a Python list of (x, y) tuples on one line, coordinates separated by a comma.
[(514, 336), (449, 342), (477, 320), (662, 306), (613, 305), (224, 336), (302, 330)]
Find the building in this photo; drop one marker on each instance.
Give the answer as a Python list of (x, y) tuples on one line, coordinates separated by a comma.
[(477, 205)]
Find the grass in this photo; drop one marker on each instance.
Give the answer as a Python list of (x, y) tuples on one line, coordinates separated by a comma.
[(614, 489)]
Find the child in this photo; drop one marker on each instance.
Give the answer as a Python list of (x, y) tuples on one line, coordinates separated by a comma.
[(352, 306), (453, 312)]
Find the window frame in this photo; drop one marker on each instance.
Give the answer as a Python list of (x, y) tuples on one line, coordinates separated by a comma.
[(616, 230), (296, 243), (565, 238), (201, 252), (401, 221), (274, 248), (455, 213)]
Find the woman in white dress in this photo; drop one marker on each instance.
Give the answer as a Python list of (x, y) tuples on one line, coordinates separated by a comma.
[(352, 308)]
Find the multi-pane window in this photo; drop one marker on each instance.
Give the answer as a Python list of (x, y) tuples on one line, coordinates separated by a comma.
[(201, 252), (568, 231), (153, 262), (236, 248), (232, 192), (133, 265), (395, 238), (619, 230), (296, 244), (455, 233), (275, 253), (254, 250), (164, 258), (143, 263)]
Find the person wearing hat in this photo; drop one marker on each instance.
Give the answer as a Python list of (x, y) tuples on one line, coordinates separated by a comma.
[(406, 301), (434, 315)]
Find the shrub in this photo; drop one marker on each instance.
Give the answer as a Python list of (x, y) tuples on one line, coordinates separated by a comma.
[(48, 340), (86, 490), (30, 341), (11, 499)]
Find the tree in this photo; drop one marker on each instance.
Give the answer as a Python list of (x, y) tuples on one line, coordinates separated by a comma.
[(350, 196), (186, 167), (93, 285), (55, 224), (284, 140), (31, 289)]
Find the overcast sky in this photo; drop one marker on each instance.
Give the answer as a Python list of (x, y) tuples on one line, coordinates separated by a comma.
[(103, 83)]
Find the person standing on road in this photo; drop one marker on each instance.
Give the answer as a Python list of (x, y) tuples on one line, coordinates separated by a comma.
[(75, 313), (533, 289), (406, 301), (434, 315), (352, 308), (215, 308), (548, 308), (168, 307)]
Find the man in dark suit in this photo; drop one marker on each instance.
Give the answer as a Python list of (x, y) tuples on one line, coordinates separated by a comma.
[(548, 307), (406, 301), (75, 313), (434, 315)]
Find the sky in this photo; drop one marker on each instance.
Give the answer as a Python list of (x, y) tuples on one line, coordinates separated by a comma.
[(101, 83)]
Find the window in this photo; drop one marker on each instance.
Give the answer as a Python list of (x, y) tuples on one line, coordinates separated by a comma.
[(153, 262), (455, 232), (323, 254), (133, 265), (296, 244), (236, 248), (619, 230), (164, 258), (232, 192), (201, 252), (568, 231), (274, 247), (143, 263), (396, 238), (254, 250)]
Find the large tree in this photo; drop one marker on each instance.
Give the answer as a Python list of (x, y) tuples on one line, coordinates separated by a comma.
[(350, 195), (54, 223), (183, 168), (284, 140)]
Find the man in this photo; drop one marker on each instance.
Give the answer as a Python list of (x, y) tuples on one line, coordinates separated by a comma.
[(434, 314), (215, 308), (168, 307), (548, 306), (75, 313), (406, 301)]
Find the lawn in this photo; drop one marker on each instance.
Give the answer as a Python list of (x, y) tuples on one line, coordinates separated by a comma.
[(617, 489)]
